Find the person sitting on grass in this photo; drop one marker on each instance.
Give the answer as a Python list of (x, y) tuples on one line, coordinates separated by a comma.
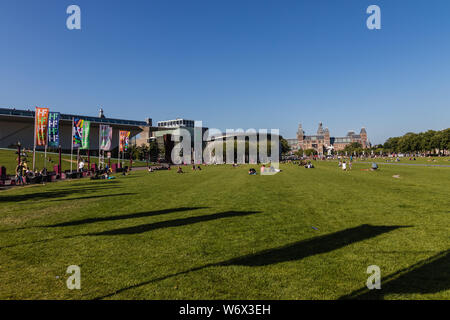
[(273, 169), (374, 166), (252, 171), (193, 167), (179, 170), (344, 166), (199, 168), (309, 165), (263, 167)]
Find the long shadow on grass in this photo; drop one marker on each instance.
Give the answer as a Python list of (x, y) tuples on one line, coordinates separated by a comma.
[(53, 194), (172, 223), (95, 197), (427, 276), (291, 252), (148, 227), (124, 216), (69, 199)]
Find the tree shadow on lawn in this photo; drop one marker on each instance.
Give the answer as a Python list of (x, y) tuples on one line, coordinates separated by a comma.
[(54, 194), (124, 216), (69, 199), (145, 228), (291, 252), (431, 275), (172, 223), (95, 197)]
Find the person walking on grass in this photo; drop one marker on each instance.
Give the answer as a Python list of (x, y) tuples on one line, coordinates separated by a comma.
[(19, 174)]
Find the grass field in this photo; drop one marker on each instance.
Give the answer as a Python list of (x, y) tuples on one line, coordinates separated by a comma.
[(222, 234), (8, 160), (419, 160)]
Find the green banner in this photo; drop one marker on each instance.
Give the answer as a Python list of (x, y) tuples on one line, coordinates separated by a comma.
[(85, 138)]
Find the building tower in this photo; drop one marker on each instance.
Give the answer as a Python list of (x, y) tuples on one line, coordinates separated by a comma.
[(326, 137), (300, 136), (320, 129), (363, 135)]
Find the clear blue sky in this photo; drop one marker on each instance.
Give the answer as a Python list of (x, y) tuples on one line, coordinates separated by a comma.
[(234, 63)]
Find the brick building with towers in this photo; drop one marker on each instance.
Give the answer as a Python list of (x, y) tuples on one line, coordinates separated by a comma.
[(322, 142)]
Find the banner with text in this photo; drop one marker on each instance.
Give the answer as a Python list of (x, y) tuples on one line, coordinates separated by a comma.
[(77, 133), (41, 126), (53, 129), (85, 136)]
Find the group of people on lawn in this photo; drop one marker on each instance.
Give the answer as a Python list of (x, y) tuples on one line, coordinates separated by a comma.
[(24, 175)]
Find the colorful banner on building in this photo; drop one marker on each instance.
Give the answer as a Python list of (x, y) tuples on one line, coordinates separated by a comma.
[(53, 129), (85, 136), (77, 133), (105, 137), (124, 140), (41, 126)]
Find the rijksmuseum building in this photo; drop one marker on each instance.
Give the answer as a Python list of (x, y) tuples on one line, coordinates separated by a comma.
[(323, 143)]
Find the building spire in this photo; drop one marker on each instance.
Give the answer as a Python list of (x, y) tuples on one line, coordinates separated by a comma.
[(320, 129)]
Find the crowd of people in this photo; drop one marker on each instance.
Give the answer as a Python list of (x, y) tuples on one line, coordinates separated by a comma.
[(24, 175)]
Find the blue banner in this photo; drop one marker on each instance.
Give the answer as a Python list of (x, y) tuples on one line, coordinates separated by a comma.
[(53, 129)]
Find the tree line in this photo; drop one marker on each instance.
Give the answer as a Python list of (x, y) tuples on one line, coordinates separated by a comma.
[(429, 142)]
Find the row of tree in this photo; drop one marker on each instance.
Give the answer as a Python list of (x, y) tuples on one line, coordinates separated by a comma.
[(430, 142)]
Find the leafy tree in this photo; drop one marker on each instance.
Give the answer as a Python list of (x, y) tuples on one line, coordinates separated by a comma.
[(310, 152), (284, 146), (426, 142)]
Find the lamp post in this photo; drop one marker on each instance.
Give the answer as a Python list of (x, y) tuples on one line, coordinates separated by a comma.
[(18, 152), (60, 164)]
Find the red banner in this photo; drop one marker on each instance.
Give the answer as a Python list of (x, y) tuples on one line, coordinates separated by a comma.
[(41, 126)]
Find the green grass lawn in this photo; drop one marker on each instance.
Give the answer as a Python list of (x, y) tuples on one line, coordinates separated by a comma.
[(419, 160), (8, 160), (222, 234)]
